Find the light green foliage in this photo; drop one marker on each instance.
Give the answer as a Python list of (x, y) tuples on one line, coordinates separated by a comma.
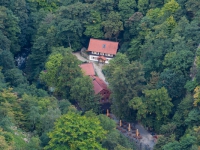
[(9, 106), (61, 71), (153, 13), (170, 7), (78, 132), (50, 75), (197, 96)]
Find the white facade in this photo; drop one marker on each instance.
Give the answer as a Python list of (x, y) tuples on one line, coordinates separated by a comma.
[(94, 58)]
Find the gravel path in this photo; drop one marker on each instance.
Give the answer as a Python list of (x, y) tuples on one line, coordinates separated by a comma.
[(97, 68), (147, 139)]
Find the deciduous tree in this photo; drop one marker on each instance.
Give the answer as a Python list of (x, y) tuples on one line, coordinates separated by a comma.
[(78, 132)]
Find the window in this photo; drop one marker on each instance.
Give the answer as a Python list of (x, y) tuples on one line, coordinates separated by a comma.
[(111, 55), (96, 53), (95, 58), (104, 46), (108, 54), (101, 53)]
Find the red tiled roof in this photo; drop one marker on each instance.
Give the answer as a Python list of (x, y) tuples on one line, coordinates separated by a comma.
[(103, 46), (99, 84), (102, 57), (88, 69)]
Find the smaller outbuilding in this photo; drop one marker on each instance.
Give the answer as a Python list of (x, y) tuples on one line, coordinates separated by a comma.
[(88, 69), (100, 87)]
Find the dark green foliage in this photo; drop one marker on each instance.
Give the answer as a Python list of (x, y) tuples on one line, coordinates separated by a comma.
[(2, 82), (82, 92), (6, 60), (10, 29), (64, 106), (173, 82), (159, 40), (126, 81), (21, 89), (14, 77)]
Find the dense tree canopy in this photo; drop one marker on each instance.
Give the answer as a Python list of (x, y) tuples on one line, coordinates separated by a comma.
[(154, 78)]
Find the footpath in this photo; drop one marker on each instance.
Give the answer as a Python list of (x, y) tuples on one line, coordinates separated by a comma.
[(136, 133), (97, 68), (145, 140)]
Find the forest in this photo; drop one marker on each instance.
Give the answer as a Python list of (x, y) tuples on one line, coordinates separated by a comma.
[(154, 78)]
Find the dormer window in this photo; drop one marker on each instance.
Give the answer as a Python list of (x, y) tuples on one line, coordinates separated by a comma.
[(104, 45)]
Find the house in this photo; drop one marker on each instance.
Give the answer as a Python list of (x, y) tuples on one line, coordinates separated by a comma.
[(88, 69), (102, 50), (100, 87)]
